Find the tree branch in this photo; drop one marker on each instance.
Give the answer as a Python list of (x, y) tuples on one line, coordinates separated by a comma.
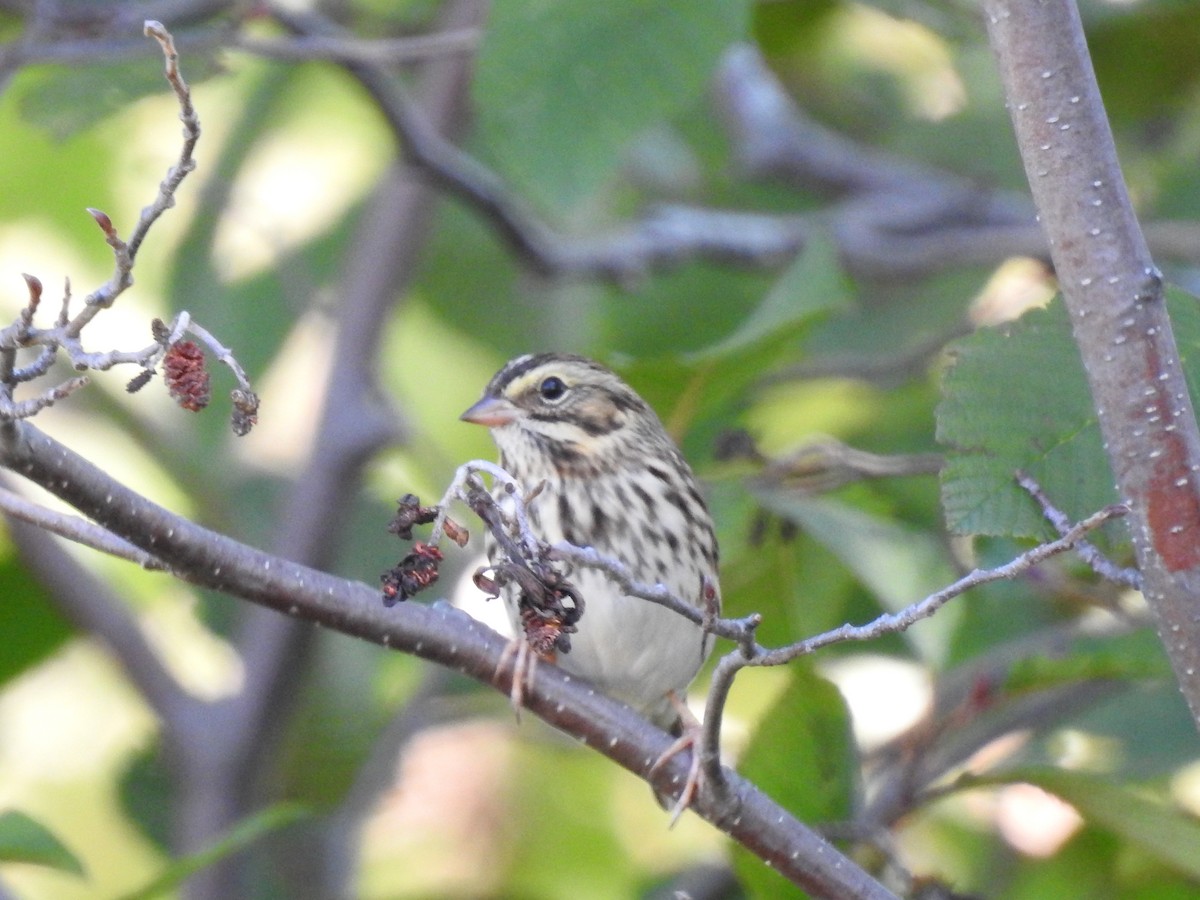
[(1113, 292), (440, 634)]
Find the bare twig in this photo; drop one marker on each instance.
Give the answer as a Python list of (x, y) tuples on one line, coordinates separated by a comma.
[(1088, 552), (509, 520), (826, 464), (75, 529), (125, 252), (220, 351), (23, 409)]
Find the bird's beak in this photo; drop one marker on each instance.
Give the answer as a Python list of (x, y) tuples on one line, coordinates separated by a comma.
[(492, 412)]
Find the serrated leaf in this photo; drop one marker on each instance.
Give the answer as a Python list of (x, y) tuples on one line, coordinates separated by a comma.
[(1016, 398), (562, 87), (803, 756), (1155, 826), (24, 839)]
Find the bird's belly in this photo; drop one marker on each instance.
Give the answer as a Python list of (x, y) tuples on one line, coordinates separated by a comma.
[(631, 648)]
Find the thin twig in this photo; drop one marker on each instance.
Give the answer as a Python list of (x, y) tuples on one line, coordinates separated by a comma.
[(220, 351), (126, 252), (73, 528), (888, 623), (1088, 552), (377, 51), (508, 520)]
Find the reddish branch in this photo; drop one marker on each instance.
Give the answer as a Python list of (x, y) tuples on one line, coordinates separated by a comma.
[(1115, 297)]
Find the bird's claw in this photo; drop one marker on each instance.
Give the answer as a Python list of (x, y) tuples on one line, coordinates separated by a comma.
[(688, 740), (524, 663)]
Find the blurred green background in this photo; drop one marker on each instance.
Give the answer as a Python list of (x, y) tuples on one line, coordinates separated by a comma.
[(1027, 742)]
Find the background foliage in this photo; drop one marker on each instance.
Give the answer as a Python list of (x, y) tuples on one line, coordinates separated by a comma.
[(593, 113)]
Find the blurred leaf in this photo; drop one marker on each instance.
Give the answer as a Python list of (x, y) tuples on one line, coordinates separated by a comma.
[(1161, 36), (327, 737), (788, 29), (239, 837), (1149, 723), (695, 393), (803, 756), (26, 840), (563, 844), (485, 298), (32, 626), (145, 792), (1136, 656), (898, 564), (681, 311), (794, 582), (884, 334), (65, 100), (814, 283), (1085, 867), (563, 87), (1155, 826)]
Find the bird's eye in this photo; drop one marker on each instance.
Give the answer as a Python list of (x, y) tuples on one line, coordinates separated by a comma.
[(552, 388)]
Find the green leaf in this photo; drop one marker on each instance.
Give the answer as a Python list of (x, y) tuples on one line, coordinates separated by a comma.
[(814, 283), (695, 392), (1136, 656), (1156, 827), (562, 87), (33, 627), (803, 756), (26, 840), (1017, 398), (237, 838), (144, 789), (898, 564), (64, 101)]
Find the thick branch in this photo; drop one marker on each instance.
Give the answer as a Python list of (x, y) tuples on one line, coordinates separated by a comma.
[(438, 633), (1114, 294)]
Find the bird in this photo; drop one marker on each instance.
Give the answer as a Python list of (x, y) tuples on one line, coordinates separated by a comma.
[(603, 473)]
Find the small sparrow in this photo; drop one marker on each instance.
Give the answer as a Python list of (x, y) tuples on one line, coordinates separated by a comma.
[(612, 479)]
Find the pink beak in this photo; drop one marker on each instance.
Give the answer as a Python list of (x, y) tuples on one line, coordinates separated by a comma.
[(492, 412)]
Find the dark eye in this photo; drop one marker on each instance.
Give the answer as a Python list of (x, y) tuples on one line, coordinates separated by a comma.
[(552, 388)]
